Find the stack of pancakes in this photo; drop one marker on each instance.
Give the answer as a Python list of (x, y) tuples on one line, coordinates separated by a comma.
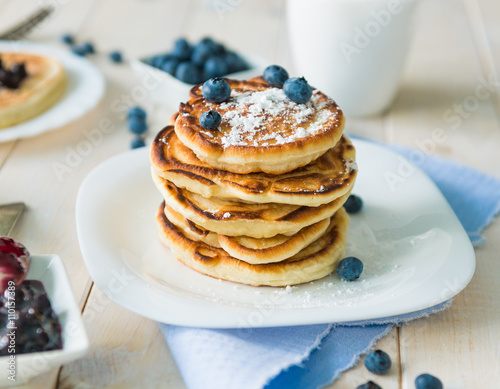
[(258, 200)]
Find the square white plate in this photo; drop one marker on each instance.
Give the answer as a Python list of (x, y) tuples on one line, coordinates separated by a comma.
[(49, 269), (416, 253)]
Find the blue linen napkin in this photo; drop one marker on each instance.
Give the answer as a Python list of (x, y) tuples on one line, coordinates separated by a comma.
[(311, 357)]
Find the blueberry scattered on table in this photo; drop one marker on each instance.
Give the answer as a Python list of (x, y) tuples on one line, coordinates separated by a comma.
[(298, 90), (137, 125), (369, 385), (378, 362), (89, 47), (210, 119), (137, 143), (275, 75), (188, 72), (427, 381), (68, 39), (136, 112), (350, 268), (196, 63), (353, 204), (216, 90), (116, 56), (79, 50)]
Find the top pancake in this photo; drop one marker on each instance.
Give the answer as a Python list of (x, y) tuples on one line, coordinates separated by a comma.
[(43, 86), (262, 130), (320, 182)]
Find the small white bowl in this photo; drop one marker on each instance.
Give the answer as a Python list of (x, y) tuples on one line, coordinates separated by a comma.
[(163, 88), (49, 269)]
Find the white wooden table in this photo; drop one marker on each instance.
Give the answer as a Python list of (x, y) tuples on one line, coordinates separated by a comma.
[(456, 42)]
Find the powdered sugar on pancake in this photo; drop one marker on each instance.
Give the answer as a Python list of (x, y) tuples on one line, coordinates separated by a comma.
[(251, 118)]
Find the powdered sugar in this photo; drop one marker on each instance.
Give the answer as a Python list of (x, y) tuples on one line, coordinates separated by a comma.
[(252, 117)]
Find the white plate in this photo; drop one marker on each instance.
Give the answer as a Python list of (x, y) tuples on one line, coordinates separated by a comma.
[(50, 270), (84, 90), (165, 89), (415, 251)]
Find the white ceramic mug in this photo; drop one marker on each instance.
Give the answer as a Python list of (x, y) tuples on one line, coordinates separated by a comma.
[(353, 50)]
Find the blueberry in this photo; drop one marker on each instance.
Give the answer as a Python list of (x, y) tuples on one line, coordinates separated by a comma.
[(158, 60), (89, 48), (378, 362), (427, 381), (214, 47), (210, 120), (234, 62), (182, 49), (188, 72), (216, 90), (170, 65), (68, 39), (116, 57), (200, 54), (137, 143), (137, 125), (79, 50), (369, 385), (136, 112), (275, 75), (297, 89), (350, 268), (215, 67), (353, 204)]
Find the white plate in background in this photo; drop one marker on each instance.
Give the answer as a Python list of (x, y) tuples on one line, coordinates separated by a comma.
[(84, 90), (416, 253)]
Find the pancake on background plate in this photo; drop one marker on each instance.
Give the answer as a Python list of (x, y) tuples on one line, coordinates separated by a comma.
[(29, 85)]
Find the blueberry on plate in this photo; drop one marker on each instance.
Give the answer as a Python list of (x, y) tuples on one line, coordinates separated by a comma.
[(234, 62), (210, 119), (215, 67), (378, 362), (137, 143), (68, 39), (170, 65), (182, 49), (137, 125), (353, 204), (136, 112), (275, 75), (427, 381), (350, 268), (369, 385), (116, 56), (216, 90), (188, 72), (298, 90), (200, 54)]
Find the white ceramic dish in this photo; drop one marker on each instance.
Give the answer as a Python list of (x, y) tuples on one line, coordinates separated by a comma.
[(416, 253), (49, 269), (165, 89), (84, 91)]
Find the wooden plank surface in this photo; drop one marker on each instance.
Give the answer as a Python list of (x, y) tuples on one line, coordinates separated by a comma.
[(455, 44)]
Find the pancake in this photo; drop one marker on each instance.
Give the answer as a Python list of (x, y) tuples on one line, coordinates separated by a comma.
[(261, 130), (320, 182), (235, 218), (41, 89), (314, 262), (248, 249)]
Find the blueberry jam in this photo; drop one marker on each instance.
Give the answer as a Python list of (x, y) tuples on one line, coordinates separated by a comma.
[(33, 321), (14, 262), (12, 78)]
